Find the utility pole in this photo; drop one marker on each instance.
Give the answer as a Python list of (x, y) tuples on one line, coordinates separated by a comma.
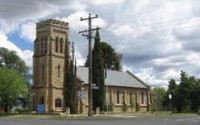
[(89, 36)]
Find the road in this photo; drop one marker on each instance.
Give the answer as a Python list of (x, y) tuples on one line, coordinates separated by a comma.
[(174, 120)]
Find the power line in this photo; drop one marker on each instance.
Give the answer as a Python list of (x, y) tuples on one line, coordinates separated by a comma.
[(163, 28)]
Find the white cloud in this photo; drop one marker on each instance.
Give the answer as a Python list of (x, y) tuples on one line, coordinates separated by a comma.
[(25, 55), (76, 24), (192, 58), (28, 31), (128, 31), (80, 59), (157, 38), (127, 68), (148, 76), (141, 4), (171, 10), (77, 5), (170, 74), (106, 2), (8, 26)]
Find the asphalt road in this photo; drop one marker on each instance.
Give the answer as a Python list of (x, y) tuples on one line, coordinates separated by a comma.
[(174, 120)]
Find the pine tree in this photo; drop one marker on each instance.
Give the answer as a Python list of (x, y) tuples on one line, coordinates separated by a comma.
[(70, 87), (98, 74), (111, 59)]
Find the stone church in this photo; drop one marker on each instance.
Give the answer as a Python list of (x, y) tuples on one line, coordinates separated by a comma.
[(51, 49)]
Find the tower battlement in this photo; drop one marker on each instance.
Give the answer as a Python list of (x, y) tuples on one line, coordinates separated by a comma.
[(52, 21)]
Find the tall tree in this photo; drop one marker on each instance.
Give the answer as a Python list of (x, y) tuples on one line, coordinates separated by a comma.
[(195, 98), (11, 60), (185, 96), (158, 97), (172, 89), (12, 87), (98, 74), (70, 87), (111, 59), (184, 91)]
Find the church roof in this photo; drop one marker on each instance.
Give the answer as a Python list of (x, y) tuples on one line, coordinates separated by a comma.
[(114, 78)]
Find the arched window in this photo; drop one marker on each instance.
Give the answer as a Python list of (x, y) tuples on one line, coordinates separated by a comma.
[(56, 46), (130, 98), (41, 101), (43, 72), (41, 47), (58, 71), (45, 45), (35, 47), (61, 45), (118, 97), (58, 102), (142, 97)]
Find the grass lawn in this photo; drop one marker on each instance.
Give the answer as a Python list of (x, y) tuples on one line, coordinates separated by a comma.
[(63, 116)]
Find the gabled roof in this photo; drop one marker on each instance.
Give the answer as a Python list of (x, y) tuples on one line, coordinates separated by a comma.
[(114, 78)]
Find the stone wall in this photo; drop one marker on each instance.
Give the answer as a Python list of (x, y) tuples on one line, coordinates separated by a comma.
[(125, 99), (51, 47)]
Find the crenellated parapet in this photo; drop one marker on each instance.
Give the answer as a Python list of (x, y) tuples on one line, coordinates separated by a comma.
[(52, 22)]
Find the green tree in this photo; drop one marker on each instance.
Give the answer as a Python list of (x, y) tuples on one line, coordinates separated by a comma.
[(11, 60), (98, 74), (12, 87), (158, 97), (184, 92), (195, 98), (185, 96), (111, 59), (172, 89), (70, 87)]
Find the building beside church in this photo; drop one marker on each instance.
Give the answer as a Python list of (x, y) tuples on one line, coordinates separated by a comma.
[(51, 50), (121, 88)]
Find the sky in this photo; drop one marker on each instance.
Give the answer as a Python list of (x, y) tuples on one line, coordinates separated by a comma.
[(157, 38)]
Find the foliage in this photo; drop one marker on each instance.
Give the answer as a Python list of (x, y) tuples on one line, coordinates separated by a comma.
[(12, 86), (70, 88), (158, 97), (11, 60), (124, 107), (185, 96), (98, 74), (137, 106), (19, 110), (111, 59), (172, 89)]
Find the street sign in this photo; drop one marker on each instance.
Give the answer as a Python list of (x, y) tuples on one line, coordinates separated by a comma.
[(95, 87), (80, 94)]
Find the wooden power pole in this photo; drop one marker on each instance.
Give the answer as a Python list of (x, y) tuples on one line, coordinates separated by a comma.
[(89, 36)]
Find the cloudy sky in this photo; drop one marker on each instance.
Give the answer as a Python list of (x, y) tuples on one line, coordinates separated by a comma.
[(158, 38)]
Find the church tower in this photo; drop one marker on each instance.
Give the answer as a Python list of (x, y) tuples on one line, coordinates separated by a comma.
[(51, 49)]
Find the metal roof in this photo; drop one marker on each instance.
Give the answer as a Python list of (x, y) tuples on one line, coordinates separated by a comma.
[(114, 78)]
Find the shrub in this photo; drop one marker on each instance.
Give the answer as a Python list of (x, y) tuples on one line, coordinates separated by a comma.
[(124, 107)]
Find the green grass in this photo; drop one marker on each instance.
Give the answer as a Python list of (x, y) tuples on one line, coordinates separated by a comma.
[(63, 116)]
